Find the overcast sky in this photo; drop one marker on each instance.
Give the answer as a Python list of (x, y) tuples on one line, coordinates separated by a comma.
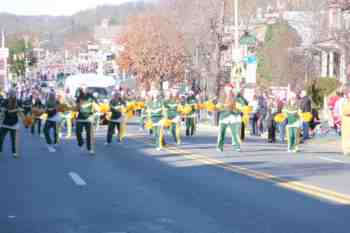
[(51, 7)]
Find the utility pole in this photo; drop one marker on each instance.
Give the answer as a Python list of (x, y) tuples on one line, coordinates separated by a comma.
[(236, 28)]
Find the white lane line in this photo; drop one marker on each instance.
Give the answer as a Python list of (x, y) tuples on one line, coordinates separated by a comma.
[(332, 160), (77, 179)]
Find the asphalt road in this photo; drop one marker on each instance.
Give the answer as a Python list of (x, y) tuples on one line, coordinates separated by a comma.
[(133, 188)]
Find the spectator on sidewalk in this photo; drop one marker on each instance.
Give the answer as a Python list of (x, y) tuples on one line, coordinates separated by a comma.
[(346, 125), (305, 106), (255, 116), (262, 113)]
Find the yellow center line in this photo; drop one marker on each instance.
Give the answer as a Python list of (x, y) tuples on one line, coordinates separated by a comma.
[(311, 190)]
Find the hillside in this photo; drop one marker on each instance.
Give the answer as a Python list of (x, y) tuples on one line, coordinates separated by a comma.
[(56, 28)]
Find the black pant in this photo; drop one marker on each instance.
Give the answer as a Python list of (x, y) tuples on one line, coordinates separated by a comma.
[(272, 132), (111, 131), (47, 128), (37, 122), (242, 132), (3, 133), (255, 124), (80, 126)]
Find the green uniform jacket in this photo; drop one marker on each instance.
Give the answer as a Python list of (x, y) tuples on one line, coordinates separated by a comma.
[(86, 109), (156, 109), (171, 109), (116, 107)]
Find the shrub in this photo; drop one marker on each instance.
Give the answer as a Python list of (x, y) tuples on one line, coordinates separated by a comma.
[(320, 88)]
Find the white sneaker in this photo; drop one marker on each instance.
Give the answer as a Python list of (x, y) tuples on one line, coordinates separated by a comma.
[(15, 155), (51, 149), (158, 148), (92, 152), (107, 144)]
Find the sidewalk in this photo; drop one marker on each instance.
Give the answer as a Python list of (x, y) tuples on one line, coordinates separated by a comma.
[(327, 143)]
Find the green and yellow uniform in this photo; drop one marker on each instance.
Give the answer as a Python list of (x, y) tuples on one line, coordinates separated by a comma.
[(155, 109), (233, 120), (191, 117), (10, 124), (171, 113), (85, 119), (293, 126), (116, 106), (38, 105), (52, 122)]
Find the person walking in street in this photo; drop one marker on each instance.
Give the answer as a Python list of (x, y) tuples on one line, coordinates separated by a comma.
[(230, 117), (37, 110), (86, 107), (51, 123), (293, 125), (191, 101), (116, 118), (270, 123), (305, 107), (156, 114), (11, 113), (171, 105)]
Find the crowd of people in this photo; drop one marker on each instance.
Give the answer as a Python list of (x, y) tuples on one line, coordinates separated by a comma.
[(52, 113)]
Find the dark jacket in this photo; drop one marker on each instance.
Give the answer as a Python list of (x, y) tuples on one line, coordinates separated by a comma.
[(305, 104)]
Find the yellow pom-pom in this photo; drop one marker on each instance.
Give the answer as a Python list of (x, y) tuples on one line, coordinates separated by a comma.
[(210, 106), (219, 107), (279, 118), (28, 121), (166, 123), (149, 124), (140, 105), (247, 110), (306, 116), (201, 106), (187, 110), (74, 115), (44, 116), (104, 108), (129, 114)]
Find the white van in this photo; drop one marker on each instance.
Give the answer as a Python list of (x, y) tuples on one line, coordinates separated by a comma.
[(99, 84)]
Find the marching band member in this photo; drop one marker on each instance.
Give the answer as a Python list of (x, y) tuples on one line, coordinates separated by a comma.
[(86, 107), (191, 117), (230, 117), (51, 122), (156, 114), (170, 106), (37, 110), (66, 115), (10, 124), (293, 125), (116, 104), (26, 105)]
